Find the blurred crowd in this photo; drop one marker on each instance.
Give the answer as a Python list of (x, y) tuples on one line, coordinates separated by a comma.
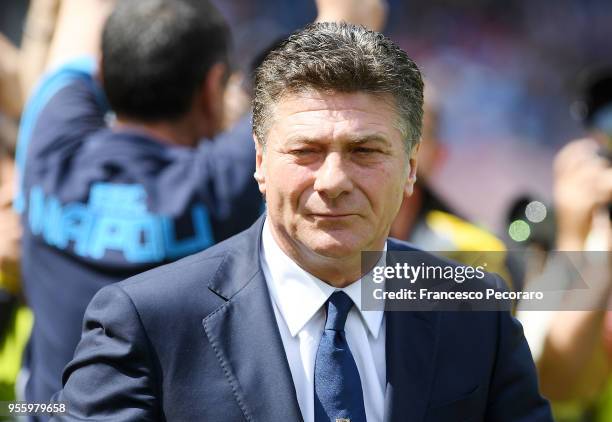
[(515, 156)]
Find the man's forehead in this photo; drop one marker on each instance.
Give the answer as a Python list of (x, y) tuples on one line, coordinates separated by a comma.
[(333, 101), (311, 110)]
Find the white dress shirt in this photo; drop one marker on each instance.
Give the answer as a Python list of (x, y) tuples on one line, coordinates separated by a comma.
[(298, 298)]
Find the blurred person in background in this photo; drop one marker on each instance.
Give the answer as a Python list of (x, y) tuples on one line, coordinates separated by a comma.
[(426, 220), (104, 196), (19, 69), (576, 357), (15, 318), (573, 348)]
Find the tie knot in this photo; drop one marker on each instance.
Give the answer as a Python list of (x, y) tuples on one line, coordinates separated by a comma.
[(338, 306)]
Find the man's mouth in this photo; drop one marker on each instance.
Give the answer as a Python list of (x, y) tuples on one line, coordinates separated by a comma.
[(332, 215)]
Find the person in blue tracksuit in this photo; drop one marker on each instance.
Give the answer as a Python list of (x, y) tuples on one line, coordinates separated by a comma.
[(105, 195)]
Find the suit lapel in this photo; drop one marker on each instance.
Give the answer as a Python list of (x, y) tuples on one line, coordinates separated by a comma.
[(245, 336), (410, 350)]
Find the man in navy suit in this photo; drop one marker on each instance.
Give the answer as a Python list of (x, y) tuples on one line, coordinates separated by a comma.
[(269, 325)]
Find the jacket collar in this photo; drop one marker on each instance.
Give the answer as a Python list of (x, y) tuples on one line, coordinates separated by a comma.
[(240, 262), (245, 336)]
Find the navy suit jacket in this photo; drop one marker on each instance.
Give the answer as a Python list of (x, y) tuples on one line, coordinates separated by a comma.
[(197, 340)]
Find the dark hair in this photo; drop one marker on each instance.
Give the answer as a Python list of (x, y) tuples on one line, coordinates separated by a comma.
[(344, 58), (156, 54)]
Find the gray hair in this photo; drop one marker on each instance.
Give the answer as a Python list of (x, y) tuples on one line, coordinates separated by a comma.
[(340, 57)]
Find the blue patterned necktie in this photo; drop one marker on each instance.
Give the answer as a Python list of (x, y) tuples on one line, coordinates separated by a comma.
[(337, 387)]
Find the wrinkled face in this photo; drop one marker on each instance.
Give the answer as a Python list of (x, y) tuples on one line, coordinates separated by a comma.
[(334, 171)]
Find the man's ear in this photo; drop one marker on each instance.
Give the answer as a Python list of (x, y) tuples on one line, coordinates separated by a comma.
[(412, 171), (212, 98), (260, 166)]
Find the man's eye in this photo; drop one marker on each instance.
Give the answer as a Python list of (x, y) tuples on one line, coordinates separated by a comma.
[(303, 151), (362, 150)]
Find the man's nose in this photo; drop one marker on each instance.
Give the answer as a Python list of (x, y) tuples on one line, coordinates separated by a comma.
[(332, 178)]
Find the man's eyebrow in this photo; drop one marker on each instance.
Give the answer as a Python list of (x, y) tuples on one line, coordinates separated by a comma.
[(360, 139), (303, 140)]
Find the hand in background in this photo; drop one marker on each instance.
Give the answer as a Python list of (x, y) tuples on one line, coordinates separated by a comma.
[(37, 32), (582, 186), (370, 13), (574, 365), (78, 30)]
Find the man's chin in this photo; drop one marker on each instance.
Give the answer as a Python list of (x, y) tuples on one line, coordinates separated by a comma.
[(335, 247)]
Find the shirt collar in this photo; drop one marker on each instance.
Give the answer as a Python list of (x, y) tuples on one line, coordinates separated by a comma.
[(299, 295)]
